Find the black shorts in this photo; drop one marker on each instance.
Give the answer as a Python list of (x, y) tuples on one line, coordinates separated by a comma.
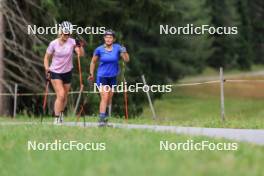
[(65, 77)]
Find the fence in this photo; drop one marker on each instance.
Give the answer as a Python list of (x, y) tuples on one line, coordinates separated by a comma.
[(221, 82)]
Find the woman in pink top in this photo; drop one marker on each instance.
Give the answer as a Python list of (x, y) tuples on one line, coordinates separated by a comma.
[(60, 70)]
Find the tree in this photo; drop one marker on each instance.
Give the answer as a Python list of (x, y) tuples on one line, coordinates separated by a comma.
[(256, 16), (2, 101), (245, 41), (224, 13)]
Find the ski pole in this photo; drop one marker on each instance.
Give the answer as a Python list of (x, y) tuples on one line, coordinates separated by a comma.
[(45, 98)]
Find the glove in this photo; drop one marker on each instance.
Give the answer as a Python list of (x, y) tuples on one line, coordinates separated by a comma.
[(79, 43), (47, 75), (123, 49), (90, 78)]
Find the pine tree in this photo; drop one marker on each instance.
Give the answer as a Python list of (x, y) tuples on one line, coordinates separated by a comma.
[(224, 13), (256, 16)]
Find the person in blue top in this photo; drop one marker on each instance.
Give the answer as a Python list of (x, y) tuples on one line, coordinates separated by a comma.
[(108, 56)]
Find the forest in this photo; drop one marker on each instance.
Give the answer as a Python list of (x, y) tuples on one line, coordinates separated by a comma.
[(163, 59)]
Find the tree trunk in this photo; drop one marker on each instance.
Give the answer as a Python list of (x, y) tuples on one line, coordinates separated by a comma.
[(2, 98)]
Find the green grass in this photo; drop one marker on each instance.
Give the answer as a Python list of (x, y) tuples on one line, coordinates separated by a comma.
[(179, 109), (129, 152), (200, 105), (210, 72), (184, 108)]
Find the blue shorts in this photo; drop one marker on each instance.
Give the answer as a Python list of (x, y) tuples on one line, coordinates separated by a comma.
[(110, 81)]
